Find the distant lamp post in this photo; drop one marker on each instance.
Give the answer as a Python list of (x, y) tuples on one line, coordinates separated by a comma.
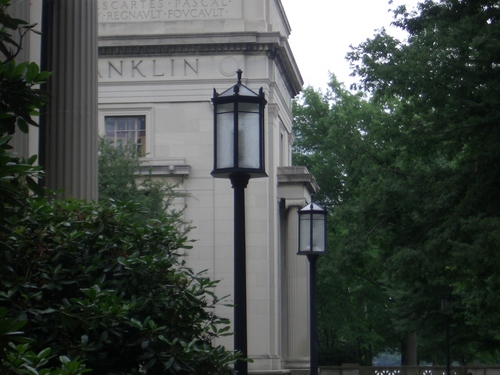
[(239, 156), (447, 309), (312, 243)]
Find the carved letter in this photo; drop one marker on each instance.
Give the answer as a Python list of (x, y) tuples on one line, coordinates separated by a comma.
[(111, 66), (136, 67), (186, 64), (154, 70)]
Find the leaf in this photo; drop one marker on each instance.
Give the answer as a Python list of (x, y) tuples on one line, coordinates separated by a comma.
[(22, 125), (136, 323), (31, 72), (30, 369), (169, 363), (64, 360), (44, 353)]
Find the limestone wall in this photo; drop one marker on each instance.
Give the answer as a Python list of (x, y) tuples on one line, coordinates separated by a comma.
[(162, 59)]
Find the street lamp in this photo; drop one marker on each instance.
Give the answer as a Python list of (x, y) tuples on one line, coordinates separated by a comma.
[(312, 243), (239, 156), (447, 309)]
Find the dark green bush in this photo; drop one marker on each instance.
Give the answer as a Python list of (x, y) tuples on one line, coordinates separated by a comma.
[(93, 284)]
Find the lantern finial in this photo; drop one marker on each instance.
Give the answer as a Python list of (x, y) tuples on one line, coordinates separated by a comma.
[(239, 72)]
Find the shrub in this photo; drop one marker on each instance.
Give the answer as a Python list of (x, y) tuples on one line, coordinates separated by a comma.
[(94, 284)]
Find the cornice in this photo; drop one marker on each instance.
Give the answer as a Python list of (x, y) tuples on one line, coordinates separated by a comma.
[(283, 16), (297, 176)]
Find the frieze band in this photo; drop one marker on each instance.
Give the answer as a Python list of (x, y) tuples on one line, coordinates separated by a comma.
[(272, 50)]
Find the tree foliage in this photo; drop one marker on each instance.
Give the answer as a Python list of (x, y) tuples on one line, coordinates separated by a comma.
[(122, 178), (333, 131), (20, 99), (415, 177)]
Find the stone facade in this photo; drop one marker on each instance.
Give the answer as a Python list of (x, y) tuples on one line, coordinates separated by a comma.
[(163, 59)]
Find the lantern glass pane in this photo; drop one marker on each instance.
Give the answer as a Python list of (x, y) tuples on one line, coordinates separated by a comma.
[(225, 108), (248, 136), (248, 107), (305, 233), (319, 232), (225, 140)]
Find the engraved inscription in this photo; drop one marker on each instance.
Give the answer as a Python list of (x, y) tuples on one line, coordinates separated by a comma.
[(149, 68), (164, 10)]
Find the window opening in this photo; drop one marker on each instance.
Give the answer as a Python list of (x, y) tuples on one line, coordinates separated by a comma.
[(125, 130)]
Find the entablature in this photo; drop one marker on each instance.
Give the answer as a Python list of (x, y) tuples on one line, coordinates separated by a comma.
[(273, 45)]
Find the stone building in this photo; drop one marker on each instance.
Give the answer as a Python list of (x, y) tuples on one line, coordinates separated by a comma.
[(158, 63)]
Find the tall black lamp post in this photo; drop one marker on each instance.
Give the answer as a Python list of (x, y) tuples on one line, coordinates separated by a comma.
[(239, 156), (447, 309), (312, 243)]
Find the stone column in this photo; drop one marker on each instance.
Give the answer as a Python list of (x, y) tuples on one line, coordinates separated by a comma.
[(298, 296), (295, 186), (68, 131), (21, 10)]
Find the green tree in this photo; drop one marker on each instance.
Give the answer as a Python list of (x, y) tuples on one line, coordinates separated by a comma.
[(416, 210), (122, 178), (333, 133), (445, 80)]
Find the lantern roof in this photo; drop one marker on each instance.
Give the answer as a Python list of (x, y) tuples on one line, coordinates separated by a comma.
[(312, 207), (239, 89)]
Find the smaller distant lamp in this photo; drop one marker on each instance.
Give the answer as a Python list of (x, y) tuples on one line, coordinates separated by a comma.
[(312, 230)]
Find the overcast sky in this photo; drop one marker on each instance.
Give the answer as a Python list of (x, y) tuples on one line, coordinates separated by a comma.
[(322, 31)]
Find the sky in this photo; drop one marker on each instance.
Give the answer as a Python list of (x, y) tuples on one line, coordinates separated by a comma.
[(323, 30)]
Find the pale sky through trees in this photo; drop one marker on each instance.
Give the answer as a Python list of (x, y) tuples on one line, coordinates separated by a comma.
[(322, 31)]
